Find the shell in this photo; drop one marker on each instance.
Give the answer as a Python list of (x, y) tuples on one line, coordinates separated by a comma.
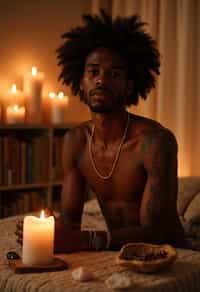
[(132, 255)]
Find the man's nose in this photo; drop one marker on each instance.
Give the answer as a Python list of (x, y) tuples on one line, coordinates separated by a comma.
[(101, 79)]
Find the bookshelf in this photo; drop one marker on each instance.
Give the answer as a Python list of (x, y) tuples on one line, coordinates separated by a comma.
[(30, 168)]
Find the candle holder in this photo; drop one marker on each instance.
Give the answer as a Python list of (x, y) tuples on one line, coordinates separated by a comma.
[(20, 268)]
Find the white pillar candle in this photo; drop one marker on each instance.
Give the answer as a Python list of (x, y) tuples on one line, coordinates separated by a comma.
[(38, 240), (13, 96), (0, 113), (15, 114), (58, 107), (33, 84)]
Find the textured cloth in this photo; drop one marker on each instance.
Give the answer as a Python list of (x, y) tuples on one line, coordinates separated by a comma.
[(188, 205), (182, 276)]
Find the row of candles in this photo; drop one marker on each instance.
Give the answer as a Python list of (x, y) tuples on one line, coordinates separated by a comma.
[(29, 105)]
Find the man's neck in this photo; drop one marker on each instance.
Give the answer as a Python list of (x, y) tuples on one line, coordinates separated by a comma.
[(109, 127)]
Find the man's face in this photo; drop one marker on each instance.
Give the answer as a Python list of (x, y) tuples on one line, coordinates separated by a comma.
[(104, 82)]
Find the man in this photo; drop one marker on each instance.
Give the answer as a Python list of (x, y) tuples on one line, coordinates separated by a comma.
[(129, 161)]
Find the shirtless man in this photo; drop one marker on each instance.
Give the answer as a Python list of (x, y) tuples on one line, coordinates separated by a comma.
[(129, 161)]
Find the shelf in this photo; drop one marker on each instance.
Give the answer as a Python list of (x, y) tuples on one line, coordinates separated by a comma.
[(29, 153), (56, 183), (24, 186), (37, 126)]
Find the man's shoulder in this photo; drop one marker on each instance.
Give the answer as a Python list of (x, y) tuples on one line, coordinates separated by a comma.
[(150, 131), (77, 136)]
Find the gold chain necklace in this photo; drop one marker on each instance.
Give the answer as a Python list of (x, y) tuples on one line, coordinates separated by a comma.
[(116, 155)]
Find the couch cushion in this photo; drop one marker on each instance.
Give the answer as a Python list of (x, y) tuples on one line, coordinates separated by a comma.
[(188, 189)]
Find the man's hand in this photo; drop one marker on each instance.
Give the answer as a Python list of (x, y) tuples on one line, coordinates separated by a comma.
[(65, 239)]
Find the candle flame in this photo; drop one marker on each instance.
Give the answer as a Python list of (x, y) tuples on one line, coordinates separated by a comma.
[(15, 107), (34, 71), (52, 95), (14, 88), (42, 215), (60, 95)]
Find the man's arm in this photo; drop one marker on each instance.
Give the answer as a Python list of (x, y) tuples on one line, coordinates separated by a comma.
[(67, 232), (158, 203)]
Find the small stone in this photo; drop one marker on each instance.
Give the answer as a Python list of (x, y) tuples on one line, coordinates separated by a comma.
[(118, 281), (82, 274), (12, 255)]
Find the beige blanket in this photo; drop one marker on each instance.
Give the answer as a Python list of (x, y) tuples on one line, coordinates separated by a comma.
[(182, 276)]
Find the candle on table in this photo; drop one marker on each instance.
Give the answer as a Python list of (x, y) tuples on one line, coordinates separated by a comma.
[(58, 107), (33, 84), (38, 240), (15, 114)]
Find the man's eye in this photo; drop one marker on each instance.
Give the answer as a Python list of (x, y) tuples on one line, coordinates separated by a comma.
[(116, 74), (93, 72)]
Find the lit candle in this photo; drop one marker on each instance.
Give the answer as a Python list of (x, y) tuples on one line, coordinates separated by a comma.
[(0, 113), (38, 240), (14, 96), (15, 114), (58, 107), (33, 84)]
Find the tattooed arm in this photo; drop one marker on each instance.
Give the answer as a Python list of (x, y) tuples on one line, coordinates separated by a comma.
[(158, 205)]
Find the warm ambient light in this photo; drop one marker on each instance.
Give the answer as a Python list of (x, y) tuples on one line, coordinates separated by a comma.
[(42, 215), (34, 71)]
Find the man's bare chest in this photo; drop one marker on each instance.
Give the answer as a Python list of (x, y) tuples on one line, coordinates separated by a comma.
[(126, 182)]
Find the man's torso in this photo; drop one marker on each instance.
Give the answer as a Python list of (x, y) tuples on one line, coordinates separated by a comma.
[(120, 196)]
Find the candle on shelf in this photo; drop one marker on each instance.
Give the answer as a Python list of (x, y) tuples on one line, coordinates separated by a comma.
[(38, 240), (46, 109), (15, 114), (58, 107), (0, 113), (33, 84), (14, 96)]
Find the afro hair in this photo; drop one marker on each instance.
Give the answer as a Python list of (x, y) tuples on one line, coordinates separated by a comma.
[(125, 36)]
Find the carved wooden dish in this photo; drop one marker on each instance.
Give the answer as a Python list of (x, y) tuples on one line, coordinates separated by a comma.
[(146, 258)]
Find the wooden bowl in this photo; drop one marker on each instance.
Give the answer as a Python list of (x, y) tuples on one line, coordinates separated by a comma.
[(146, 258)]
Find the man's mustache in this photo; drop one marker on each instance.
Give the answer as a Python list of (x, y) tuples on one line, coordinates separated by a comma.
[(100, 89)]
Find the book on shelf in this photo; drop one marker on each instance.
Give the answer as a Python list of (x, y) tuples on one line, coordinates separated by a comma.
[(15, 203), (24, 161)]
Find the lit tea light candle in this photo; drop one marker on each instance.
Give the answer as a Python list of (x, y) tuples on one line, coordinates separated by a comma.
[(15, 114), (33, 84), (14, 96), (38, 240), (58, 107)]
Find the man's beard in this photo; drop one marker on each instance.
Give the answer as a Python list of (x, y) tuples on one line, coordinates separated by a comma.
[(101, 109), (105, 108)]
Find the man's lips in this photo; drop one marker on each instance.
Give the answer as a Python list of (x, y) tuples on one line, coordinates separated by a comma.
[(100, 93)]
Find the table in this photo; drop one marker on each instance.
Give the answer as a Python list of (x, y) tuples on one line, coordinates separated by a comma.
[(182, 276)]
